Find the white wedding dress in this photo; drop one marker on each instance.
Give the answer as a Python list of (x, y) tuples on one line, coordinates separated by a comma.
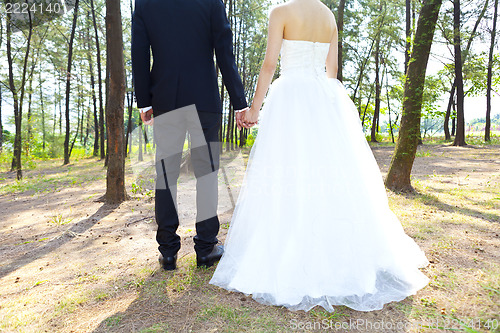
[(312, 225)]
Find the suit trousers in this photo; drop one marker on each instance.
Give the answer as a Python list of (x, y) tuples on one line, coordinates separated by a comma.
[(170, 131)]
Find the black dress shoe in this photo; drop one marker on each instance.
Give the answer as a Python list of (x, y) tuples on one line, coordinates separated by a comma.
[(212, 258), (168, 263)]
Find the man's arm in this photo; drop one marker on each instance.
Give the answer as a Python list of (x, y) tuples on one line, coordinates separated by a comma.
[(141, 62), (223, 43)]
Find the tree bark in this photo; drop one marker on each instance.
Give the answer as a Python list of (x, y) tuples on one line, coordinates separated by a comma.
[(447, 135), (398, 177), (376, 113), (1, 124), (340, 27), (115, 180), (68, 83), (460, 135), (408, 34), (18, 103), (99, 79), (487, 130)]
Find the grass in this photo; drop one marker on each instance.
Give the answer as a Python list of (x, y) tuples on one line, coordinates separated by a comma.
[(453, 217)]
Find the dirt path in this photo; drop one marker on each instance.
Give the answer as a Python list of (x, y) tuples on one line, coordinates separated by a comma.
[(69, 263)]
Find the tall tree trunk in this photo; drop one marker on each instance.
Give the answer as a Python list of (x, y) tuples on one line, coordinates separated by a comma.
[(398, 177), (68, 83), (447, 135), (460, 136), (18, 103), (1, 124), (408, 34), (29, 119), (340, 27), (42, 108), (487, 129), (389, 104), (99, 79), (376, 113), (140, 157), (115, 180), (464, 55)]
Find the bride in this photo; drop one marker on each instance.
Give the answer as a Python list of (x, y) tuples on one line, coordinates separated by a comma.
[(312, 225)]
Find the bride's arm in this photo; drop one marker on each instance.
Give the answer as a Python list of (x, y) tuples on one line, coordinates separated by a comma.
[(274, 41), (333, 55)]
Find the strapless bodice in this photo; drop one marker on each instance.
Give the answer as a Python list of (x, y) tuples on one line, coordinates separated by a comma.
[(303, 56)]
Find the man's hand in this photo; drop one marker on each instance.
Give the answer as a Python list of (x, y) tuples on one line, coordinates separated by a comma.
[(147, 117), (240, 115)]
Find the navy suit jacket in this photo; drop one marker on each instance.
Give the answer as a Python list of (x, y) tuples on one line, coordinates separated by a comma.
[(183, 36)]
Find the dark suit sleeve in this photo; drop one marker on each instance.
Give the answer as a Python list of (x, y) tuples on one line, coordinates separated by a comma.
[(223, 44), (141, 62)]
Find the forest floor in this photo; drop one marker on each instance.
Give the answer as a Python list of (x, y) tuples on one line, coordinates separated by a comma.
[(70, 263)]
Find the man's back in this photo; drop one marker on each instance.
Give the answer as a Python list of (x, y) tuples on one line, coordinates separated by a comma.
[(182, 35)]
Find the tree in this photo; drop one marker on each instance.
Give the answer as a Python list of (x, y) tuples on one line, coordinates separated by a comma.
[(68, 83), (460, 135), (398, 177), (18, 99), (490, 75), (115, 181), (99, 79), (340, 27)]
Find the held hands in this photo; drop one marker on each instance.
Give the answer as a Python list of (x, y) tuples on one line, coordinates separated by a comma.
[(247, 118), (147, 117)]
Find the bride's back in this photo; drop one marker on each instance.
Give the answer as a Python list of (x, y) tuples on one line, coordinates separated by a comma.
[(308, 20)]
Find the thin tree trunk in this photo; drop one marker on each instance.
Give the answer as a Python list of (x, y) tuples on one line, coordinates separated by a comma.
[(140, 157), (99, 79), (447, 135), (115, 180), (398, 176), (42, 106), (68, 83), (464, 55), (376, 113), (18, 104), (460, 136), (340, 27), (408, 34), (1, 124), (487, 130)]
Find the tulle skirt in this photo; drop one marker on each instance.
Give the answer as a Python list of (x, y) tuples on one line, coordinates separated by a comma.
[(312, 225)]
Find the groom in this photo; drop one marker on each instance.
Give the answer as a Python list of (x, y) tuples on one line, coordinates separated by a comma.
[(183, 36)]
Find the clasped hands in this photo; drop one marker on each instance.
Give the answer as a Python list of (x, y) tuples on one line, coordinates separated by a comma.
[(247, 118)]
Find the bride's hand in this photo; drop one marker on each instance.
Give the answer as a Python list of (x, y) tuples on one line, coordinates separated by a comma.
[(251, 118)]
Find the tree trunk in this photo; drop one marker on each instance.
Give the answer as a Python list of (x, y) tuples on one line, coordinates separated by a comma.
[(1, 124), (487, 129), (408, 34), (18, 103), (376, 113), (447, 135), (460, 136), (115, 180), (68, 83), (99, 79), (340, 27), (398, 177), (42, 106), (464, 54)]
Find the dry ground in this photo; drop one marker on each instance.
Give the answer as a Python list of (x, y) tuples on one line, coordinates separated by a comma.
[(69, 263)]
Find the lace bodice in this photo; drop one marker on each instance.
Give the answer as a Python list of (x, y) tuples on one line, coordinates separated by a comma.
[(303, 56)]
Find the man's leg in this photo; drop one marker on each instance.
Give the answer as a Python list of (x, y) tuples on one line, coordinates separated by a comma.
[(205, 158), (170, 134)]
